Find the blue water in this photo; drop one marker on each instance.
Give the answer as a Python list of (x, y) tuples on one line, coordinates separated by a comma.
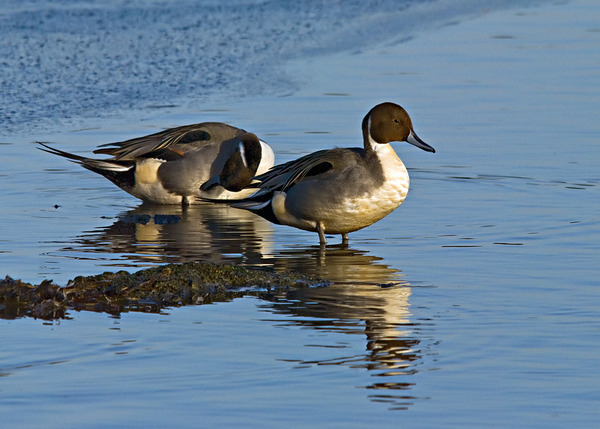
[(473, 304)]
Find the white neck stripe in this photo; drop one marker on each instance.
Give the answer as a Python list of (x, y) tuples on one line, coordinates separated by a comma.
[(242, 154)]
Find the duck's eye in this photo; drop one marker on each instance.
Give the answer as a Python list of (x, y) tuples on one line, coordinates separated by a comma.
[(396, 121)]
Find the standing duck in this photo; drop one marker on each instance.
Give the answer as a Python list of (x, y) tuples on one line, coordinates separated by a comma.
[(171, 166), (341, 190)]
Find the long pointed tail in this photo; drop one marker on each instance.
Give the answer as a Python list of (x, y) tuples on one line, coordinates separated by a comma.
[(96, 165), (71, 156), (121, 173)]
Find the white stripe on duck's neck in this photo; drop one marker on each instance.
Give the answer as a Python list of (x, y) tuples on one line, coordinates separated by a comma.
[(371, 144), (392, 166), (243, 153)]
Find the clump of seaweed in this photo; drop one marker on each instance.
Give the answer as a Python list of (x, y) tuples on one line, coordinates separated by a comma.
[(148, 290)]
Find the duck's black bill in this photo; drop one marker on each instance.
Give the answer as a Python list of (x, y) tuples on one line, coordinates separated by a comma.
[(414, 140)]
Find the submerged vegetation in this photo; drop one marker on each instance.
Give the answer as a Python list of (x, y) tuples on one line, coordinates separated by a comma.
[(148, 290)]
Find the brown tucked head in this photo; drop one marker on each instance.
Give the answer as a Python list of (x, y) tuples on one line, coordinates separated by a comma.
[(241, 167)]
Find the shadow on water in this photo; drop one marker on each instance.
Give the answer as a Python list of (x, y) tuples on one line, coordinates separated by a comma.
[(367, 299)]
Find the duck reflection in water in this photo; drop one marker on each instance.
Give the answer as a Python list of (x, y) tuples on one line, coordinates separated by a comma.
[(366, 298), (171, 233)]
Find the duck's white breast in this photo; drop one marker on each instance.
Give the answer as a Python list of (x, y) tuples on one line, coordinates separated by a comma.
[(364, 210)]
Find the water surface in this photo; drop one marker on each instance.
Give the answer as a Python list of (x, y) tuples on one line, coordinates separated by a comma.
[(475, 303)]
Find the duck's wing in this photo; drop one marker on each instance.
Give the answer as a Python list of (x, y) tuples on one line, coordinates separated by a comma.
[(314, 166), (172, 143), (159, 145), (284, 176)]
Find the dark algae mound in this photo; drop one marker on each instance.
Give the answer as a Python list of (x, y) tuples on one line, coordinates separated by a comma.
[(148, 290)]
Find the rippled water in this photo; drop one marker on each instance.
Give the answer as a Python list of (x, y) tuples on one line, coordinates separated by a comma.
[(473, 304)]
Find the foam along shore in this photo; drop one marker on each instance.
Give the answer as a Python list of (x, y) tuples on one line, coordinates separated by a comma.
[(148, 290)]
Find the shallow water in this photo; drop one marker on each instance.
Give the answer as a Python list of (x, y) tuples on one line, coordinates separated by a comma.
[(475, 303)]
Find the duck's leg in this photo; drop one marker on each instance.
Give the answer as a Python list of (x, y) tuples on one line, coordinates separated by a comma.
[(185, 202), (321, 231), (345, 238)]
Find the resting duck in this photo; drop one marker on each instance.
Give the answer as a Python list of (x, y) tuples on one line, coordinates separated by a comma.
[(337, 191), (171, 167)]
